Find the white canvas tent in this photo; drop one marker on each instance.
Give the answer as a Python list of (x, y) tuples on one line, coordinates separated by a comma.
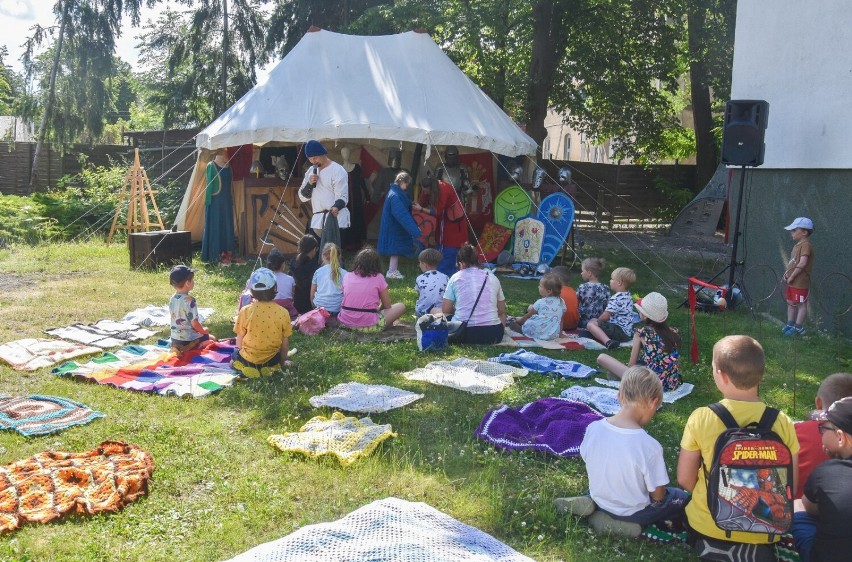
[(368, 89)]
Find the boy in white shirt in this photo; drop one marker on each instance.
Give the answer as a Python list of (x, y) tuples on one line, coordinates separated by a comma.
[(430, 284), (625, 465)]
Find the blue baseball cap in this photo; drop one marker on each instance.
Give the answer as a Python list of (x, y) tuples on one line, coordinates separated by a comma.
[(262, 279), (179, 274)]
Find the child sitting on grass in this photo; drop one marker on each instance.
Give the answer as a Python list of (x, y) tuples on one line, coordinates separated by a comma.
[(275, 262), (366, 305), (543, 320), (615, 325), (431, 284), (592, 295), (186, 330), (327, 283), (263, 330), (625, 465), (655, 345), (302, 268)]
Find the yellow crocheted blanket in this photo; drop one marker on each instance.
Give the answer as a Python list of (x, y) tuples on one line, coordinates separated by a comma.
[(346, 438)]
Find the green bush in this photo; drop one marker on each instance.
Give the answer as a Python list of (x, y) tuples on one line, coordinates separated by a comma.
[(23, 220)]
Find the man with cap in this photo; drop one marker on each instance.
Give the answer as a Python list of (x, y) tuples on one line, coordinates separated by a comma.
[(798, 276), (822, 531), (326, 186)]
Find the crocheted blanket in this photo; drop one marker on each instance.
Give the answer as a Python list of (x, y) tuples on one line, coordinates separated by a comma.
[(159, 315), (346, 438), (388, 529), (605, 399), (542, 364), (368, 398), (154, 368), (29, 354), (40, 415), (469, 375), (52, 483), (552, 425), (104, 333)]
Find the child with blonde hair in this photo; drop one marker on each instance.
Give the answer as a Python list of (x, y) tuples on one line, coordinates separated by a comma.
[(626, 469), (655, 345), (543, 320), (592, 295), (327, 283), (615, 324)]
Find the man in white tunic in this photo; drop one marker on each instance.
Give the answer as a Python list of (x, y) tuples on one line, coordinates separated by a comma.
[(326, 186)]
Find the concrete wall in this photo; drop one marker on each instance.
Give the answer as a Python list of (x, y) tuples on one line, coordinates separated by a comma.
[(772, 199)]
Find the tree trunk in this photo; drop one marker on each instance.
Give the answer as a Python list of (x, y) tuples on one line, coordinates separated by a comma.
[(223, 104), (707, 154), (42, 131)]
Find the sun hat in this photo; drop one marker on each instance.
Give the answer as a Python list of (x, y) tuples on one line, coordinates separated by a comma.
[(314, 148), (801, 222), (654, 306), (179, 274), (262, 279), (840, 414)]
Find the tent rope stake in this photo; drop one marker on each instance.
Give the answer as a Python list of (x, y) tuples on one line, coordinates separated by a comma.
[(136, 190)]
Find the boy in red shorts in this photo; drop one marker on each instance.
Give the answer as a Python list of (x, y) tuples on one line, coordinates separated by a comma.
[(798, 276)]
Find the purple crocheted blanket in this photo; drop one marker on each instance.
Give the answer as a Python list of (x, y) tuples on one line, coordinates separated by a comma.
[(553, 425)]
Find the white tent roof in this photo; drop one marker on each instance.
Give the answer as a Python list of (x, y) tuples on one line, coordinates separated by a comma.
[(392, 87)]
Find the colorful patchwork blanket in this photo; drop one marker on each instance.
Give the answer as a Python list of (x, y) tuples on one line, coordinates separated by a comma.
[(40, 415), (469, 375), (104, 334), (368, 398), (30, 354), (388, 529), (552, 425), (159, 315), (154, 368), (346, 438), (542, 364), (50, 484)]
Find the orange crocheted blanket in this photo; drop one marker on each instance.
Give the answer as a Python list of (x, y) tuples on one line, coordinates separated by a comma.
[(50, 484)]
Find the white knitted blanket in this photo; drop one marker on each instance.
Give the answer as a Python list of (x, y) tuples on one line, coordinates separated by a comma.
[(388, 529), (605, 400), (369, 398), (469, 375)]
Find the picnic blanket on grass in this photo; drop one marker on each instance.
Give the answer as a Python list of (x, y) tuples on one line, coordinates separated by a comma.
[(149, 368), (346, 438), (565, 341), (52, 483), (40, 415), (159, 315), (470, 375), (368, 398), (552, 425), (388, 529), (542, 364), (104, 333), (29, 354), (605, 399)]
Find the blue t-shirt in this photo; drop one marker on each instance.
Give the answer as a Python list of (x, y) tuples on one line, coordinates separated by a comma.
[(620, 308), (329, 294)]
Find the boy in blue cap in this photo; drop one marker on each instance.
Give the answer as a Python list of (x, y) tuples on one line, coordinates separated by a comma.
[(798, 276), (186, 330)]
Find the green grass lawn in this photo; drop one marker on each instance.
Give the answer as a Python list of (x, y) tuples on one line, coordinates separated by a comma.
[(220, 489)]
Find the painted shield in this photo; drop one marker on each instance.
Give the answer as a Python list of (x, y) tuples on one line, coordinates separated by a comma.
[(529, 235), (511, 204), (556, 211)]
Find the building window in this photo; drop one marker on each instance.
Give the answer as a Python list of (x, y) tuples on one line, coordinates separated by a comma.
[(545, 149), (566, 148)]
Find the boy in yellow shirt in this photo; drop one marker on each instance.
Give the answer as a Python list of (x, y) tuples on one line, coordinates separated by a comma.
[(738, 366), (263, 330)]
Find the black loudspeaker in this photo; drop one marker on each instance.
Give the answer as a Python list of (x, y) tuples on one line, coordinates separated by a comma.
[(742, 139)]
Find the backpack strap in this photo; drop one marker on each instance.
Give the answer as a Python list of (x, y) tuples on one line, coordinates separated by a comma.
[(767, 420), (726, 416)]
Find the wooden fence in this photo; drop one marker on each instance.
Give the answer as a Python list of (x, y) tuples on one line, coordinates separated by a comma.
[(620, 195), (162, 163)]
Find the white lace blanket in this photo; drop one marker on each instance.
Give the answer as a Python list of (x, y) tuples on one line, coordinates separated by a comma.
[(469, 375), (388, 529), (369, 398), (605, 400), (159, 315)]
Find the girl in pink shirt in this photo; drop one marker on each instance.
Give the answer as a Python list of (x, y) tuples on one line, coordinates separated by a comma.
[(366, 301)]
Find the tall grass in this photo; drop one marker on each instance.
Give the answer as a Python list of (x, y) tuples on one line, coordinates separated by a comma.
[(220, 489)]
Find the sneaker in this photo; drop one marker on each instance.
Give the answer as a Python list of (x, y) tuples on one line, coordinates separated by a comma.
[(798, 330), (613, 344), (787, 330), (394, 275), (602, 522), (581, 506)]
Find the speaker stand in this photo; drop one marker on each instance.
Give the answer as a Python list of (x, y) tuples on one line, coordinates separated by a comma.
[(734, 266)]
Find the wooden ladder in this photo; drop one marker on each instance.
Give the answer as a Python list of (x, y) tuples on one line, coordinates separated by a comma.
[(136, 190)]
